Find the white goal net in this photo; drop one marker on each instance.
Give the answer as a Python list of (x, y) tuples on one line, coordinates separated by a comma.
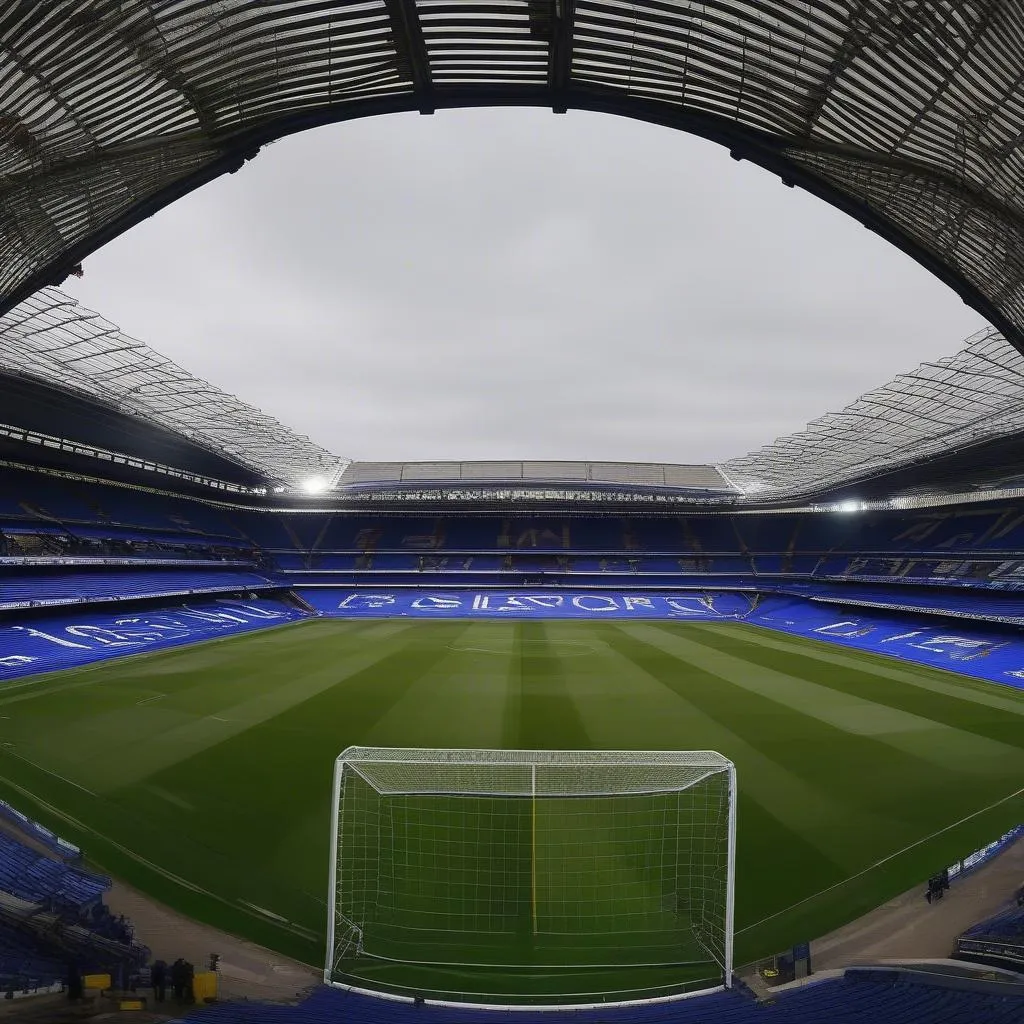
[(531, 859)]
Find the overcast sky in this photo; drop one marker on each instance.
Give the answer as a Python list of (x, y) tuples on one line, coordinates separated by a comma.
[(516, 284)]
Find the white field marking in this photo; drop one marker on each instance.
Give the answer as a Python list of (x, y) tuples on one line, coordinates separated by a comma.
[(149, 700), (170, 797), (264, 911), (177, 879), (9, 751), (884, 860), (509, 648)]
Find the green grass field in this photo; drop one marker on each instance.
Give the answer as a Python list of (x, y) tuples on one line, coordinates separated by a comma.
[(203, 774)]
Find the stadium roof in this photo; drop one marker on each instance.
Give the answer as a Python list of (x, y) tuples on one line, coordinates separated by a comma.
[(965, 400), (52, 340), (907, 115), (972, 401), (645, 475)]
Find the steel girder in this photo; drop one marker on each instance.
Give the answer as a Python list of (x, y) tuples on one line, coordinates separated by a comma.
[(908, 114)]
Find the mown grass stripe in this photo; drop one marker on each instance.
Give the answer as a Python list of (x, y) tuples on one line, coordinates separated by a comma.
[(926, 739), (135, 757), (983, 712), (471, 680), (931, 679), (550, 714), (703, 711)]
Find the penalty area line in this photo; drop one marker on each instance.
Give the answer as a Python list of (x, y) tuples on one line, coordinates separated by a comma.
[(149, 700), (240, 904), (884, 860), (56, 775)]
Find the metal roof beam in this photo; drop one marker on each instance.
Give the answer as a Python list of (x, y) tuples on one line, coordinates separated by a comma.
[(411, 51), (560, 67), (553, 21)]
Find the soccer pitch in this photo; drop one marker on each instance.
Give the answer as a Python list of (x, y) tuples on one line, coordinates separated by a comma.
[(203, 774)]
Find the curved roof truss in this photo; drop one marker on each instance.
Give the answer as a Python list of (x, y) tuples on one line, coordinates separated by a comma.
[(907, 114), (53, 339), (974, 396)]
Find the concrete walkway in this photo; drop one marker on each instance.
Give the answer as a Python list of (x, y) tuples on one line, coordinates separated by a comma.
[(246, 970), (908, 928)]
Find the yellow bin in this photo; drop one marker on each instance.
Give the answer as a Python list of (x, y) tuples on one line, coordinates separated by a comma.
[(204, 986)]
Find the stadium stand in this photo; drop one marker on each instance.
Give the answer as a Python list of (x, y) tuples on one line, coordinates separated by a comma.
[(51, 516), (975, 553), (87, 545), (999, 939), (26, 964), (922, 600), (69, 540), (859, 997), (52, 915), (976, 649), (40, 590), (31, 876), (925, 634), (31, 644)]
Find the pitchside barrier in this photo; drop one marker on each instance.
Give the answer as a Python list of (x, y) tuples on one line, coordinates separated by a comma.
[(530, 861)]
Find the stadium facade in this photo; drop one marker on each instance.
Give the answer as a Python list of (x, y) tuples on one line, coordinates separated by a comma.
[(142, 508)]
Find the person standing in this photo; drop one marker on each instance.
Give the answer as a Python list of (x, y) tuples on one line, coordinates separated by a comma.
[(158, 977), (178, 978), (75, 984)]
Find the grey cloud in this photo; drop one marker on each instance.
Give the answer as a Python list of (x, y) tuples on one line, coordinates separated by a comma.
[(513, 284)]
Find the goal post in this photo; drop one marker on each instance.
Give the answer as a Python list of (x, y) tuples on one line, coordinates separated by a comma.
[(530, 860)]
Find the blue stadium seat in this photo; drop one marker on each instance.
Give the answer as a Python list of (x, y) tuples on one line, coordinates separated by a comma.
[(869, 999)]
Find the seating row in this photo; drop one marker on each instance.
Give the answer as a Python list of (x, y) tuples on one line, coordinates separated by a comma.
[(38, 589), (853, 999)]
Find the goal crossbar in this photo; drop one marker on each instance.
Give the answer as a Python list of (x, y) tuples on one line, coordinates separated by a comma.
[(565, 773)]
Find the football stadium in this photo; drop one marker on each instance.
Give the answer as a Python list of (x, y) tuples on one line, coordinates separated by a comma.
[(291, 737)]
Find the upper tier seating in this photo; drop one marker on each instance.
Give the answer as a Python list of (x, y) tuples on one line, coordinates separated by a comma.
[(40, 498), (36, 589), (978, 547), (956, 604), (31, 544)]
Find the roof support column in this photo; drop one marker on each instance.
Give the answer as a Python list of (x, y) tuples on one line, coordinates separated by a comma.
[(411, 51), (560, 60)]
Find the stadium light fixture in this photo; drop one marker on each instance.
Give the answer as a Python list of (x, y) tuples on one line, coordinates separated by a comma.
[(850, 506), (314, 485)]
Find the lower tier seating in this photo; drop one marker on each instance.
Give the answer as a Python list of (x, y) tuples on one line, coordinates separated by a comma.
[(26, 963), (40, 879), (861, 997), (41, 642)]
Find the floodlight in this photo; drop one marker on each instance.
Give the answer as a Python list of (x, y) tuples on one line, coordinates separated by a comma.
[(314, 485), (850, 506)]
